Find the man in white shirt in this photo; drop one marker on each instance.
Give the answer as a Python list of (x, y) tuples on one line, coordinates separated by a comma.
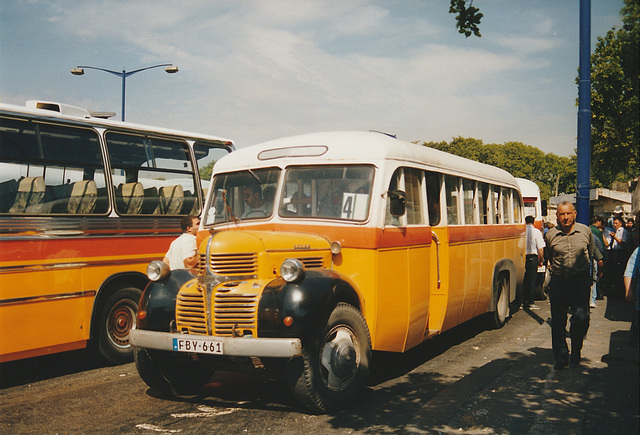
[(534, 258), (183, 252)]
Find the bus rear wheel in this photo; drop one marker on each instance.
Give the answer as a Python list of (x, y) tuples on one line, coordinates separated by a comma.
[(117, 318), (501, 312), (334, 366)]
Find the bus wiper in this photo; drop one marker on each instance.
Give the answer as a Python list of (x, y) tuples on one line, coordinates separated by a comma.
[(256, 177), (228, 209)]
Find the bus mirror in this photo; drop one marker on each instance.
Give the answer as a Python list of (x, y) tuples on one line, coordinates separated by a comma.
[(543, 206), (397, 204)]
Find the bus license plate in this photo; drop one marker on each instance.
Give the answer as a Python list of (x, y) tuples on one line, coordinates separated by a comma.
[(196, 345)]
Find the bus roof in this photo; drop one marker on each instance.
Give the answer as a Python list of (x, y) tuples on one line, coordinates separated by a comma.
[(528, 188), (80, 116), (357, 147)]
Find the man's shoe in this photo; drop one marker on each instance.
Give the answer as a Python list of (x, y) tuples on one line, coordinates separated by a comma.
[(592, 305), (532, 307), (559, 365)]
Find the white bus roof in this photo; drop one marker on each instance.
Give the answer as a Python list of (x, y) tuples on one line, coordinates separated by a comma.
[(356, 147), (528, 188), (83, 117)]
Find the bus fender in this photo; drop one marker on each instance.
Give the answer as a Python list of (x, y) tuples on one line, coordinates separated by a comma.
[(308, 303), (158, 302), (507, 267)]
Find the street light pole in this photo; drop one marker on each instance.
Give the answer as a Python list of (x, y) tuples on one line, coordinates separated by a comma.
[(79, 70)]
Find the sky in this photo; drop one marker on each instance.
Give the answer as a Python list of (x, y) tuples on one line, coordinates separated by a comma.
[(253, 71)]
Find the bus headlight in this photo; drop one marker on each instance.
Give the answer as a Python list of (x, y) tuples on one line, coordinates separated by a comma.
[(292, 270), (157, 270)]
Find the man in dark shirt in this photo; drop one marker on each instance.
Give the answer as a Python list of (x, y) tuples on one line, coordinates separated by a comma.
[(569, 249)]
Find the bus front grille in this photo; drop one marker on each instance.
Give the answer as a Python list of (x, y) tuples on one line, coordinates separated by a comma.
[(235, 314), (231, 264), (191, 313), (311, 262)]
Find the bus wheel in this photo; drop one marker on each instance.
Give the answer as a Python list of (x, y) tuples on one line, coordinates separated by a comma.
[(501, 313), (334, 365), (170, 374), (116, 320)]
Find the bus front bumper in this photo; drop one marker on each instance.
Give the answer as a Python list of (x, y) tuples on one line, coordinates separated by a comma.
[(204, 344)]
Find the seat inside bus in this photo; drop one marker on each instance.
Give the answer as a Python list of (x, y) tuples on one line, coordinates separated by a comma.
[(129, 198), (29, 196)]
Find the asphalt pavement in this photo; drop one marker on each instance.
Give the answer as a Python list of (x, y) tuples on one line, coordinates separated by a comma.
[(523, 394)]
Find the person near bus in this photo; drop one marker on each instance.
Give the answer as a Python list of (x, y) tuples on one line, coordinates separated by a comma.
[(597, 226), (618, 241), (534, 259), (569, 249), (632, 290), (183, 252)]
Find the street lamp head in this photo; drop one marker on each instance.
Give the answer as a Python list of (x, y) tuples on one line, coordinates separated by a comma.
[(77, 71), (171, 69)]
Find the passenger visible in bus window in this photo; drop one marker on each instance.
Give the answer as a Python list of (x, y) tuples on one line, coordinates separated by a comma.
[(433, 197), (451, 185), (255, 205)]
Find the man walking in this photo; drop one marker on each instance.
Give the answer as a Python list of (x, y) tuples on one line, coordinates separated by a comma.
[(569, 249), (535, 255)]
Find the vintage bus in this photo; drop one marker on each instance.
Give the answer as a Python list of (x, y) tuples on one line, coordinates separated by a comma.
[(85, 205), (317, 249), (534, 205)]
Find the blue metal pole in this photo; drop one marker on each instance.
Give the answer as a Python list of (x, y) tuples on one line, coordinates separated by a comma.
[(124, 78), (584, 116)]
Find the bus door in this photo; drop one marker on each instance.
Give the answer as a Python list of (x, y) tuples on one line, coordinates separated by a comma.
[(404, 272)]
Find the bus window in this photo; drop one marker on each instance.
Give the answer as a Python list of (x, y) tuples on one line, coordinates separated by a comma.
[(517, 207), (484, 203), (50, 169), (469, 196), (452, 190), (150, 175), (394, 184), (241, 195), (495, 205), (413, 194), (433, 197), (506, 205), (334, 192)]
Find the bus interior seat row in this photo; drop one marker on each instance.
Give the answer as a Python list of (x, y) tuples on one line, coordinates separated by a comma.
[(30, 195)]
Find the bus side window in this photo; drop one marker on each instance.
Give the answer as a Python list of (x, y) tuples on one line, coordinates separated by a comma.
[(413, 194), (394, 184), (452, 190), (433, 197), (506, 206), (484, 203), (469, 197), (517, 204), (495, 204)]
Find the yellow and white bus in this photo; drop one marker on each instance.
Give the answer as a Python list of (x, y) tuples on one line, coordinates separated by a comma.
[(317, 249), (85, 204)]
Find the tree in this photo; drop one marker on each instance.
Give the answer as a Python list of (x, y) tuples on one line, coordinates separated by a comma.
[(553, 174), (468, 18), (207, 170), (615, 100)]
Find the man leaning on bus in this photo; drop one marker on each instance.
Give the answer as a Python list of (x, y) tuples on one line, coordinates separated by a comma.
[(183, 252), (569, 249)]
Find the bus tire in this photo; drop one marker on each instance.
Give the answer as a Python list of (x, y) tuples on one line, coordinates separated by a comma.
[(334, 366), (501, 312), (117, 318), (171, 374)]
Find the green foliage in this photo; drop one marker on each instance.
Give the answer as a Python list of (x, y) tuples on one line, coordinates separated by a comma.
[(468, 18), (207, 170), (615, 101), (552, 173)]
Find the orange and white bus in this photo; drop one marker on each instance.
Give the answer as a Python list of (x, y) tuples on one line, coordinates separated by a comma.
[(85, 204), (534, 205), (317, 249)]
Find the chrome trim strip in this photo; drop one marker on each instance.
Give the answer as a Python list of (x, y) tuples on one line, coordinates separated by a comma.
[(233, 346), (47, 298), (63, 266)]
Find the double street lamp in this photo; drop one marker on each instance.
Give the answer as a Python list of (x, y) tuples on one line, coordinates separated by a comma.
[(79, 70)]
